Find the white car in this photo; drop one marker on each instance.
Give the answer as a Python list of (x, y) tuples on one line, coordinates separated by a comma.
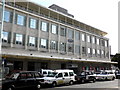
[(60, 77), (105, 75)]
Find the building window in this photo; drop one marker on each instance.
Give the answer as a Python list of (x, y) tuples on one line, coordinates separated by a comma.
[(106, 43), (4, 36), (62, 31), (83, 50), (98, 52), (103, 42), (102, 52), (44, 26), (53, 45), (94, 51), (33, 23), (77, 35), (98, 41), (70, 47), (70, 34), (20, 20), (63, 46), (7, 16), (88, 38), (31, 41), (44, 43), (93, 39), (19, 39), (54, 29), (89, 50), (77, 49), (83, 37)]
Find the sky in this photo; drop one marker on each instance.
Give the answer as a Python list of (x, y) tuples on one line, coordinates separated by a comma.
[(101, 14)]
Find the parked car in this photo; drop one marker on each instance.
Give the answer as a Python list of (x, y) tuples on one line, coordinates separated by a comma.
[(105, 75), (45, 72), (85, 77), (117, 75), (60, 77), (22, 79)]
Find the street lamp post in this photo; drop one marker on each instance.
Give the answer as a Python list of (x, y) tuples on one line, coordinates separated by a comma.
[(1, 29)]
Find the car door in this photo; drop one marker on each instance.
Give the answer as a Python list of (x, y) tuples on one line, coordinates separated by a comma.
[(60, 79), (21, 81), (30, 80), (66, 77)]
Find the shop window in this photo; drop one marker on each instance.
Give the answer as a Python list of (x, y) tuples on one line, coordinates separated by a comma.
[(44, 65)]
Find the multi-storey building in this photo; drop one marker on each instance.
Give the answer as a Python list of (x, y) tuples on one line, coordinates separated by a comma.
[(36, 37)]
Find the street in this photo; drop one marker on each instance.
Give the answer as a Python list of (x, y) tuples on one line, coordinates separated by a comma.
[(98, 85)]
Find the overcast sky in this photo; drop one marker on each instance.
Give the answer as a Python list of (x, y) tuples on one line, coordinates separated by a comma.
[(101, 14)]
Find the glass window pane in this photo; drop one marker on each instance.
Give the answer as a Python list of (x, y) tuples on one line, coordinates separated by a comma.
[(70, 34), (93, 51), (93, 39), (6, 16), (77, 49), (44, 26), (4, 36), (62, 46), (89, 50), (19, 37), (77, 35), (70, 48), (97, 41), (62, 31), (43, 43), (33, 23), (88, 38), (54, 29), (53, 45), (20, 20), (83, 37), (32, 41)]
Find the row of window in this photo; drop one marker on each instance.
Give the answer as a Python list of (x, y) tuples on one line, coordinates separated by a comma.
[(33, 23), (32, 41)]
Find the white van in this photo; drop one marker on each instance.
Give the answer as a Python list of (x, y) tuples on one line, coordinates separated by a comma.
[(45, 72), (60, 77)]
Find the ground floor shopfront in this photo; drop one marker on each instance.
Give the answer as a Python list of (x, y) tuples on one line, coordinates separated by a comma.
[(15, 62)]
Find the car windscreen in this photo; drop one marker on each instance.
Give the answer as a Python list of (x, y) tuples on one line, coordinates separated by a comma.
[(13, 76), (104, 73), (52, 74)]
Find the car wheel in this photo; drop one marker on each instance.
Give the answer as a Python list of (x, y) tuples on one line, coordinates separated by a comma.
[(38, 86), (82, 81), (106, 78), (71, 82), (10, 88), (54, 84), (94, 80), (113, 78)]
